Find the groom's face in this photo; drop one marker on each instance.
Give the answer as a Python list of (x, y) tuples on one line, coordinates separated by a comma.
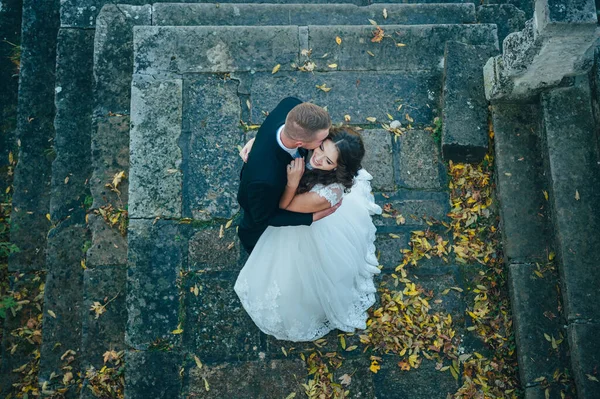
[(319, 136)]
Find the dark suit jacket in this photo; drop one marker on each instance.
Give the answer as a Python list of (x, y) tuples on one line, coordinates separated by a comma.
[(263, 180)]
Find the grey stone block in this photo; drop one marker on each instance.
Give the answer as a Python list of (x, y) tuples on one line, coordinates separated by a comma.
[(216, 325), (71, 168), (247, 380), (211, 135), (521, 183), (208, 252), (35, 130), (155, 257), (539, 392), (416, 384), (352, 94), (419, 161), (214, 49), (413, 210), (585, 357), (153, 374), (567, 11), (63, 296), (108, 246), (464, 113), (171, 14), (155, 178), (535, 311), (110, 155), (388, 249), (105, 285), (507, 17), (274, 345), (113, 55), (423, 50), (378, 160), (574, 164)]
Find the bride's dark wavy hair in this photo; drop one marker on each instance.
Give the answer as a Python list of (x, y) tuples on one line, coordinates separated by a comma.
[(351, 151)]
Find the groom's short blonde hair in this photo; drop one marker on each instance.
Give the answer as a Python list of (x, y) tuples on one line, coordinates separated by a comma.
[(305, 120)]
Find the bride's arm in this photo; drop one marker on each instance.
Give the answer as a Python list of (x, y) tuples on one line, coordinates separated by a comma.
[(294, 173), (244, 152), (308, 203)]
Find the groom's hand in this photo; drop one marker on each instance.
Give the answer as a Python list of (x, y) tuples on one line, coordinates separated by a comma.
[(326, 212)]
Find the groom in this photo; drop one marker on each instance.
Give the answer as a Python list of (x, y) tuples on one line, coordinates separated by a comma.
[(290, 129)]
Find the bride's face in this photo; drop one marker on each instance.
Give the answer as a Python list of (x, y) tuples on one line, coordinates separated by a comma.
[(325, 156)]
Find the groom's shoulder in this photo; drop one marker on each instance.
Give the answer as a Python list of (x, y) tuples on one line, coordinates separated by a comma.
[(286, 105)]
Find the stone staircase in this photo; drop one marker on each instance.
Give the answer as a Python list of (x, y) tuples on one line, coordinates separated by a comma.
[(548, 169), (158, 91)]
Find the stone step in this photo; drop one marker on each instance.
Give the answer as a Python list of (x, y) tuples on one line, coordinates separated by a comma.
[(507, 17), (521, 182), (70, 174), (421, 47), (223, 14), (574, 164), (465, 108)]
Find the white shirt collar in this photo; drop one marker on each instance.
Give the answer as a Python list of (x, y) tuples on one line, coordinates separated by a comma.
[(293, 151)]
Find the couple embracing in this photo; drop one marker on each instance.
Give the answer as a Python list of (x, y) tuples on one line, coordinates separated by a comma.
[(307, 207)]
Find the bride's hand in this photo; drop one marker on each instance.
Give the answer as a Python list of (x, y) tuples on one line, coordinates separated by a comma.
[(294, 172), (246, 150)]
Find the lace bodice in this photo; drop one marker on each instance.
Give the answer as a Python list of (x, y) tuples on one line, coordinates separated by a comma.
[(332, 192)]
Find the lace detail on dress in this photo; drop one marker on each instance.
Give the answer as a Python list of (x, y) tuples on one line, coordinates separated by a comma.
[(332, 193)]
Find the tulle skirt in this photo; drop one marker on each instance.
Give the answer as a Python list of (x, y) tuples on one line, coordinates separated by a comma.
[(300, 282)]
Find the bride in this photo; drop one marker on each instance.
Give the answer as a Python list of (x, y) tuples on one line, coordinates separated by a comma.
[(300, 282)]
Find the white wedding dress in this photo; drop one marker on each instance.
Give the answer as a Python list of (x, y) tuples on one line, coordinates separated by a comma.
[(300, 282)]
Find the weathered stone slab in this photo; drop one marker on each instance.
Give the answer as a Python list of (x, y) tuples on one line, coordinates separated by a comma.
[(507, 17), (155, 157), (556, 43), (584, 342), (213, 49), (521, 183), (108, 246), (248, 380), (208, 252), (274, 346), (152, 374), (575, 194), (63, 296), (423, 50), (378, 160), (113, 55), (539, 392), (216, 326), (105, 285), (413, 211), (35, 131), (211, 135), (415, 384), (155, 257), (110, 155), (71, 168), (535, 304), (388, 249), (309, 14), (419, 161), (357, 94), (464, 112), (435, 277)]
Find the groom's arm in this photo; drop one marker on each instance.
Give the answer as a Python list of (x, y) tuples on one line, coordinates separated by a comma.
[(263, 206)]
